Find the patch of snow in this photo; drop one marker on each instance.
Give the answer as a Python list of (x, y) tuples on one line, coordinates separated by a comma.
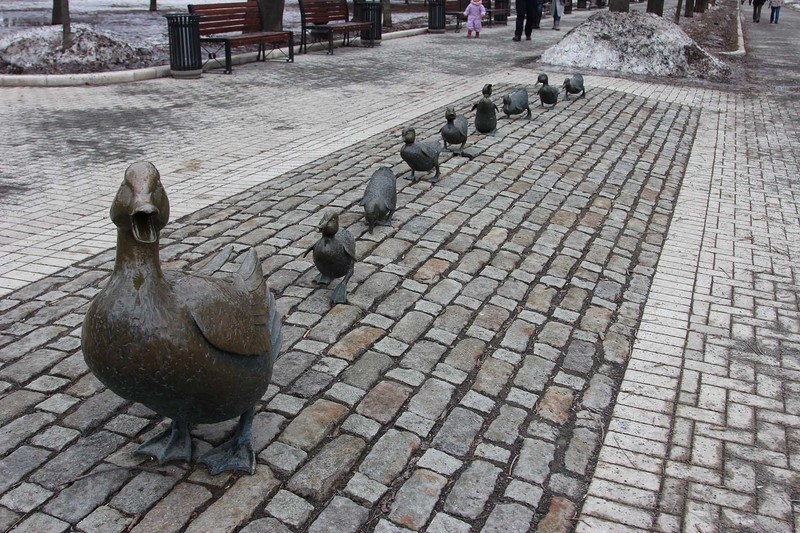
[(635, 43), (39, 50)]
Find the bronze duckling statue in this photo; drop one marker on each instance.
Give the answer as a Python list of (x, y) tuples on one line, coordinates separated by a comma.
[(574, 85), (517, 102), (455, 131), (547, 93), (380, 198), (192, 347), (420, 156), (486, 114), (334, 255)]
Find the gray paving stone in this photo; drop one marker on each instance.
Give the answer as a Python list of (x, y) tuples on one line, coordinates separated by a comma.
[(363, 488), (289, 366), (431, 399), (389, 456), (384, 401), (466, 354), (340, 516), (25, 497), (415, 500), (174, 510), (20, 429), (472, 490), (458, 432), (444, 523), (580, 357), (78, 500), (16, 403), (478, 402), (367, 370), (42, 523), (143, 491), (422, 356), (104, 520), (337, 321), (318, 478), (19, 463), (505, 427), (534, 374), (94, 411), (265, 525), (411, 326), (598, 396), (524, 492), (534, 460), (313, 424), (508, 518), (289, 508), (493, 376)]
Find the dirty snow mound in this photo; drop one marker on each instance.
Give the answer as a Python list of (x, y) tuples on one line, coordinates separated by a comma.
[(38, 51), (636, 43)]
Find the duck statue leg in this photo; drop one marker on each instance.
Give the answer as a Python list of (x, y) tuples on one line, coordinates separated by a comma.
[(435, 178), (339, 295), (322, 279), (236, 453), (411, 177), (174, 444)]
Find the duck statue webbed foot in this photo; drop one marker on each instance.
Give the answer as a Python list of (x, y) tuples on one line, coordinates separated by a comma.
[(173, 444), (235, 454)]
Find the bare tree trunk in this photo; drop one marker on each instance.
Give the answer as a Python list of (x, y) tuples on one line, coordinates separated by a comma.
[(700, 6), (56, 13), (656, 6), (387, 13), (689, 11), (619, 6), (66, 27), (678, 12), (153, 6)]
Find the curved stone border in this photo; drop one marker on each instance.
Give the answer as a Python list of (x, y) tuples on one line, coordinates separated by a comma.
[(741, 51), (127, 76)]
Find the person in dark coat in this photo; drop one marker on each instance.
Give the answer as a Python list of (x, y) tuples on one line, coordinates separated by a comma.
[(526, 13), (757, 10)]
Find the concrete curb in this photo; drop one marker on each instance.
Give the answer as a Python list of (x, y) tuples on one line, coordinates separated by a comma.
[(740, 51), (162, 71)]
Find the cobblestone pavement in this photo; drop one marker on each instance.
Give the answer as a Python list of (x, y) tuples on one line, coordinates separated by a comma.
[(592, 325)]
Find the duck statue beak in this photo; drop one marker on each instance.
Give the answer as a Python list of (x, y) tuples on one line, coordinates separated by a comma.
[(143, 224)]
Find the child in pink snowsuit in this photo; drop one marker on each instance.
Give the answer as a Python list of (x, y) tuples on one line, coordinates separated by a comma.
[(474, 13)]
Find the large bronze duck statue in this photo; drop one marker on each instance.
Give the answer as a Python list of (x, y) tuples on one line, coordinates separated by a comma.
[(192, 347), (334, 255)]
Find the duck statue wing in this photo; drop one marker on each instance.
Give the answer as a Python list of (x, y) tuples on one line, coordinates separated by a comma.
[(347, 240), (237, 314)]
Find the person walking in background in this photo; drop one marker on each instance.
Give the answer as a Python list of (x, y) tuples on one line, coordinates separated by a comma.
[(774, 10), (474, 13), (757, 10), (557, 10), (526, 13)]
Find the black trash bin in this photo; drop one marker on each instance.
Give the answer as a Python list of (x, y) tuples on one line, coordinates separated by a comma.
[(436, 17), (369, 11), (501, 10), (185, 59), (581, 4), (567, 7)]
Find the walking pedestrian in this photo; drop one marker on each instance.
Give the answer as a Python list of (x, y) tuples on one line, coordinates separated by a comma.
[(557, 10), (757, 10), (474, 13), (774, 10), (526, 13)]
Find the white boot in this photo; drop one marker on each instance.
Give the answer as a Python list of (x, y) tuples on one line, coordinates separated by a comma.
[(556, 25)]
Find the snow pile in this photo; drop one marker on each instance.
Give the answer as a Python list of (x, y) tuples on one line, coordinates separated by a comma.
[(38, 51), (636, 43)]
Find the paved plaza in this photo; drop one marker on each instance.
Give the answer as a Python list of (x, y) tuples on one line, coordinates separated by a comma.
[(590, 326)]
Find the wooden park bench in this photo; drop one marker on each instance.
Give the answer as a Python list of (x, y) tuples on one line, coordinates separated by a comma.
[(238, 24), (455, 8), (493, 12), (324, 18)]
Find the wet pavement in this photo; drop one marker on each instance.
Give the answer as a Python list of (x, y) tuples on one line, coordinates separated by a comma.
[(592, 325)]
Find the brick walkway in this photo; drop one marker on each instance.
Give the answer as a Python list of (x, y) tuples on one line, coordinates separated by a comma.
[(592, 325)]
